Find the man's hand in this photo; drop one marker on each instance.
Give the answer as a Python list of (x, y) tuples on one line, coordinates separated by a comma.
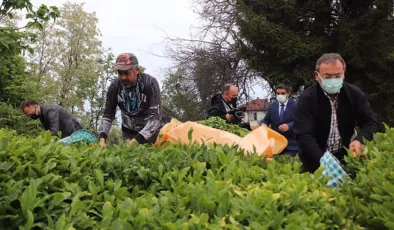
[(229, 117), (262, 124), (133, 142), (356, 146), (284, 127), (102, 142)]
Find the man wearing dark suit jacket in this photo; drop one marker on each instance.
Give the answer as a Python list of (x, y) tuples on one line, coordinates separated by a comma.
[(280, 117), (327, 113)]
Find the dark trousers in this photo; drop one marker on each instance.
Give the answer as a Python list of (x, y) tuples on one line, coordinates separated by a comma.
[(292, 153), (128, 134)]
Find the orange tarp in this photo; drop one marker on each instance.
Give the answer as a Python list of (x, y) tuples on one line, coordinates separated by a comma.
[(264, 140)]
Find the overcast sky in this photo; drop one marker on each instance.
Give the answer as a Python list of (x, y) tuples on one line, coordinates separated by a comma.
[(138, 26)]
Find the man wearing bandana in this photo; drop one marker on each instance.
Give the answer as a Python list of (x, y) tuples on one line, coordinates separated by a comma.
[(224, 102), (137, 95), (328, 112)]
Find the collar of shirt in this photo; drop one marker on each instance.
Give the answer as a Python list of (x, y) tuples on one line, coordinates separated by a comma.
[(228, 107), (329, 98)]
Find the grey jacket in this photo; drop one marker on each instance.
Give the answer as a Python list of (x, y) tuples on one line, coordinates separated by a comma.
[(55, 118), (140, 107)]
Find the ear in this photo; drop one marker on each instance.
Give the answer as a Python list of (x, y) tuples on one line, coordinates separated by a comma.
[(138, 69), (317, 78)]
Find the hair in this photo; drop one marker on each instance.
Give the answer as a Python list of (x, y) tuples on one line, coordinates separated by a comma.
[(134, 66), (27, 103), (226, 87), (283, 86), (329, 58)]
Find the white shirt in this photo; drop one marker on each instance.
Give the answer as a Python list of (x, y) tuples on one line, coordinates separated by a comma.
[(228, 107)]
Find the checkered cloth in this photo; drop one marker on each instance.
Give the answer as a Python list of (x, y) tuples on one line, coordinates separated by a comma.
[(79, 135), (333, 169)]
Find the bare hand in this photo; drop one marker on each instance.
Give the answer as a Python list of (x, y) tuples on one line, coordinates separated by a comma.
[(284, 127), (356, 146), (229, 117), (133, 142), (102, 142), (262, 124)]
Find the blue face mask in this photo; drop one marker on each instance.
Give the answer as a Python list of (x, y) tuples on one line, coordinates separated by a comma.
[(331, 85)]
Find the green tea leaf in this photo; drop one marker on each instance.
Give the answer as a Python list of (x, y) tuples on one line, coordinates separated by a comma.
[(99, 176), (61, 222), (29, 219), (28, 198), (190, 134)]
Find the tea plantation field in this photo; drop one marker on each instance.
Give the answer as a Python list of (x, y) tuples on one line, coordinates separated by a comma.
[(44, 185)]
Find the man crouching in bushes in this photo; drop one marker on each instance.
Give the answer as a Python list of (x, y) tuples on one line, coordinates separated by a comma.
[(53, 117), (327, 113)]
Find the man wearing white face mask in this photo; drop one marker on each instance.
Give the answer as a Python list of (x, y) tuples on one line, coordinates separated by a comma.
[(280, 117), (327, 113)]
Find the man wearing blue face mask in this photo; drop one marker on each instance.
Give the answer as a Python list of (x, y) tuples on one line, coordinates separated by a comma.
[(280, 117), (327, 113)]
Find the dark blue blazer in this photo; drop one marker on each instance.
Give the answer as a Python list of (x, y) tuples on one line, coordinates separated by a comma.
[(272, 118)]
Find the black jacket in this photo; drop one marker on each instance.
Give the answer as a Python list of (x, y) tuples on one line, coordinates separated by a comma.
[(312, 120), (218, 109), (55, 118)]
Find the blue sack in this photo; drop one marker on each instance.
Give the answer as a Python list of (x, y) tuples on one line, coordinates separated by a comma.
[(78, 136)]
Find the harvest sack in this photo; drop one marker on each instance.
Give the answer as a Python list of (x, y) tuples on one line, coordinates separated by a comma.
[(78, 136)]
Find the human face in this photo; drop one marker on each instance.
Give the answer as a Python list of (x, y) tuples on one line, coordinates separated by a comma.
[(128, 78), (232, 95), (282, 95), (330, 76), (31, 111), (330, 70)]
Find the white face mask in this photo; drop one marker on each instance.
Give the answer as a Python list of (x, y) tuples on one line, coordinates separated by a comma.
[(331, 85), (281, 98)]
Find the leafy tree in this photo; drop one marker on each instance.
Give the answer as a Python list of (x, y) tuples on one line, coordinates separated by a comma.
[(14, 79), (180, 98), (96, 93), (12, 39), (68, 58), (283, 39), (77, 54)]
